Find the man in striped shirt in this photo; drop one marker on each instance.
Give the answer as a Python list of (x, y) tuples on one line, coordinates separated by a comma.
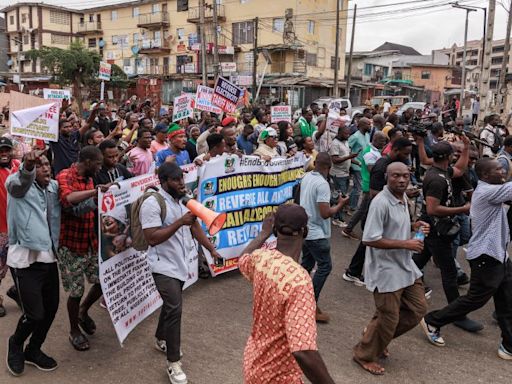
[(491, 268)]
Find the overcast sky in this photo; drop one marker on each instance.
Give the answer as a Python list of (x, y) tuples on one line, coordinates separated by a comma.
[(420, 27)]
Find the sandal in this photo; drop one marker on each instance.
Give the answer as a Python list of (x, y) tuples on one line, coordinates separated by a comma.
[(87, 324), (370, 366), (80, 342)]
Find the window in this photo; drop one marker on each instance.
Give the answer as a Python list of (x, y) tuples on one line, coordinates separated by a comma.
[(11, 20), (157, 35), (499, 48), (24, 17), (82, 20), (497, 60), (135, 11), (25, 39), (91, 18), (311, 59), (425, 75), (182, 5), (368, 69), (57, 17), (311, 27), (278, 25), (333, 60), (136, 38), (120, 39), (243, 33), (113, 15), (91, 43), (180, 32), (127, 62), (59, 39), (155, 8)]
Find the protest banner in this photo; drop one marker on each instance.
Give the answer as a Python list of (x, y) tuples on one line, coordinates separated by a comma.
[(204, 100), (226, 95), (126, 280), (247, 189), (56, 95), (280, 113), (105, 71), (182, 107), (41, 122)]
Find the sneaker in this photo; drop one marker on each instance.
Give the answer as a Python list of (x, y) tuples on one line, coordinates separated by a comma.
[(3, 312), (433, 334), (161, 346), (12, 293), (353, 279), (40, 360), (428, 292), (349, 235), (503, 353), (462, 279), (103, 304), (322, 317), (15, 358), (339, 223), (175, 373)]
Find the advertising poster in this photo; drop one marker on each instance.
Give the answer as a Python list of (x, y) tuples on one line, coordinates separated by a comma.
[(226, 95), (182, 107), (126, 280), (280, 113), (204, 100), (247, 189), (40, 122)]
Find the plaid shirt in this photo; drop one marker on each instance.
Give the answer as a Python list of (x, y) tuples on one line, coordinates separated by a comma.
[(76, 233)]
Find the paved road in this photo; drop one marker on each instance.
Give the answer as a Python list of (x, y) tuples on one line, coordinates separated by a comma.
[(216, 324)]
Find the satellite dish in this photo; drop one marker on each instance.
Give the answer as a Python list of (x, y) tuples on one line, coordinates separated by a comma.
[(10, 62), (135, 50), (101, 43)]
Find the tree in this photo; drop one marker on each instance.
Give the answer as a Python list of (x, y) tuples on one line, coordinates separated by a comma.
[(75, 66)]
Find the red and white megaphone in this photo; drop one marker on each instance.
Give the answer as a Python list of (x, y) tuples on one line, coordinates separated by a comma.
[(213, 220)]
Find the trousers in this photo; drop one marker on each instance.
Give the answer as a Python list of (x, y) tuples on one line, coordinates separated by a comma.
[(317, 252), (397, 313), (169, 322), (38, 290)]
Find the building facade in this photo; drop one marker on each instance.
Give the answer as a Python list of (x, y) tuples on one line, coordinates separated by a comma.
[(162, 39)]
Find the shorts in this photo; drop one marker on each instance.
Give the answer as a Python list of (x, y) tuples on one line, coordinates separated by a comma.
[(73, 267), (4, 246)]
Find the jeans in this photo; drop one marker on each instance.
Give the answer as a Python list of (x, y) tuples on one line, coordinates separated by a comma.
[(169, 322), (489, 278), (356, 189), (38, 289), (440, 248), (340, 184), (317, 252), (361, 213)]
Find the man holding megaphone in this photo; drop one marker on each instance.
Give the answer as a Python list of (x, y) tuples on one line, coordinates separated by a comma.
[(170, 241)]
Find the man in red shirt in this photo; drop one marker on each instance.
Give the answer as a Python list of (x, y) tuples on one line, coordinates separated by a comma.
[(78, 241), (282, 345), (8, 165)]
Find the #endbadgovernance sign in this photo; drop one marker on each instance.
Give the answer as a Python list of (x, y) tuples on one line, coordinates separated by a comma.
[(182, 107), (226, 95), (40, 122), (125, 275), (204, 100), (247, 189), (280, 113)]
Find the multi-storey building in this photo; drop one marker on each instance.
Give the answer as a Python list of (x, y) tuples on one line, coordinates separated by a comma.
[(149, 38)]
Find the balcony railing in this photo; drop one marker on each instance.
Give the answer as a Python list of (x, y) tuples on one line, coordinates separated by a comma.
[(193, 14), (89, 27), (153, 46), (153, 20)]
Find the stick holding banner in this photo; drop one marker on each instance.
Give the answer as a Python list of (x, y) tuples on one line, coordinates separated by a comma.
[(102, 90)]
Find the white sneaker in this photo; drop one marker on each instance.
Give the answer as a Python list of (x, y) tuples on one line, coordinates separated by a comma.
[(339, 223), (161, 345), (175, 373)]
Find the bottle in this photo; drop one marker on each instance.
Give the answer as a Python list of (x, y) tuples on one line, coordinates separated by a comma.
[(419, 235)]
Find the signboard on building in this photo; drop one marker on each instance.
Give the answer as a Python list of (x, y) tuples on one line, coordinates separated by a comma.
[(226, 95), (228, 67), (189, 68), (105, 71), (280, 113)]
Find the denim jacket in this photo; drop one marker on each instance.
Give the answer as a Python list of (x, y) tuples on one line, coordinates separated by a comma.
[(28, 223)]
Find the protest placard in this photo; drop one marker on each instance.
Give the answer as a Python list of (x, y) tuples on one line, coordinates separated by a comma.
[(56, 95), (126, 280), (280, 113), (182, 107), (41, 122), (204, 100), (226, 95), (105, 71), (247, 189)]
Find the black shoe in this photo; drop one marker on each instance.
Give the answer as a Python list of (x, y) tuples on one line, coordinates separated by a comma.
[(40, 360), (462, 279), (15, 358), (468, 325), (12, 293)]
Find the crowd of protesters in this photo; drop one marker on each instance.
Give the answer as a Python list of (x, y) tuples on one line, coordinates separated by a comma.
[(411, 183)]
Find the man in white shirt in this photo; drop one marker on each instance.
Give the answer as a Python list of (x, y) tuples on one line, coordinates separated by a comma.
[(386, 106), (492, 135)]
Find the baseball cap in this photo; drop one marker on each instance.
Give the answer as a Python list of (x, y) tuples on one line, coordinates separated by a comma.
[(5, 142), (228, 120), (290, 219), (161, 127), (442, 149)]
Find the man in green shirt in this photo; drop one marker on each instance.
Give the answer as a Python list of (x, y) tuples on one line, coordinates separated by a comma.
[(305, 124), (357, 142)]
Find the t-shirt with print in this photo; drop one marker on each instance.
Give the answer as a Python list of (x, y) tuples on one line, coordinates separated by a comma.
[(182, 157), (340, 148), (283, 317), (437, 183), (370, 157), (315, 189)]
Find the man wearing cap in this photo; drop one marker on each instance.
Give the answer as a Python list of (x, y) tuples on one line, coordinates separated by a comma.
[(439, 211), (176, 151), (282, 346), (267, 148), (8, 166), (160, 141)]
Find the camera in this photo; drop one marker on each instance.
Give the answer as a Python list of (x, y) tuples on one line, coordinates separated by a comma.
[(418, 128)]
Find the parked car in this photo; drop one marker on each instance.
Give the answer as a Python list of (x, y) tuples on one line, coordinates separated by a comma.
[(396, 101), (412, 104)]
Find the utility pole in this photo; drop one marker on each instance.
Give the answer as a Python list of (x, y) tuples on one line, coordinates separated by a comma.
[(337, 49), (502, 85), (216, 63), (203, 43), (347, 90), (255, 61), (484, 89), (463, 82)]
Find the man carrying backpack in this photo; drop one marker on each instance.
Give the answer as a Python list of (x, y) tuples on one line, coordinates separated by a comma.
[(492, 135), (170, 240)]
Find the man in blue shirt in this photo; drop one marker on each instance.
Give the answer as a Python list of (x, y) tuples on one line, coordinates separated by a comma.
[(176, 151), (243, 143)]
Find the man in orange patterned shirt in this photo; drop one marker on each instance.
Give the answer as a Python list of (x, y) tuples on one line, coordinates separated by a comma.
[(282, 345)]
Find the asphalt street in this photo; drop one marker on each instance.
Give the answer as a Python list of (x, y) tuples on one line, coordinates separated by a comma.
[(216, 324)]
